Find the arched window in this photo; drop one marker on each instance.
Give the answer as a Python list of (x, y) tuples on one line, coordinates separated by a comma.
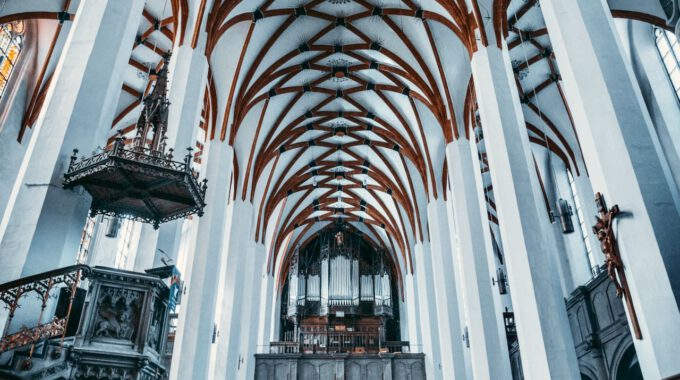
[(11, 42), (583, 226), (669, 48)]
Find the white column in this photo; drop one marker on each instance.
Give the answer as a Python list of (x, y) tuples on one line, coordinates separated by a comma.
[(584, 190), (488, 344), (446, 292), (427, 309), (103, 249), (146, 248), (191, 356), (256, 305), (625, 164), (42, 226), (235, 286), (15, 101), (657, 90), (188, 76), (267, 301), (554, 235), (411, 311), (545, 340)]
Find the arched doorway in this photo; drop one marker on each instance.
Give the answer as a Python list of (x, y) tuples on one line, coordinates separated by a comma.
[(629, 367), (340, 295)]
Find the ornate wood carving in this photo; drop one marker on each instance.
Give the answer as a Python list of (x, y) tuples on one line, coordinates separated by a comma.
[(117, 313), (14, 293), (604, 230), (33, 335), (141, 181)]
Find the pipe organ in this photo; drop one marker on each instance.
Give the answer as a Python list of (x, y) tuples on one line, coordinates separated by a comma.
[(339, 284), (339, 276)]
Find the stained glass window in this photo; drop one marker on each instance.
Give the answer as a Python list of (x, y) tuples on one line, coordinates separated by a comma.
[(11, 42), (669, 48)]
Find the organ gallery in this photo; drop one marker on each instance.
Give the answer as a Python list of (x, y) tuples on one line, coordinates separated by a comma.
[(340, 295)]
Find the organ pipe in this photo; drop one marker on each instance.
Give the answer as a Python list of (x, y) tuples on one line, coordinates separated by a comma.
[(337, 273)]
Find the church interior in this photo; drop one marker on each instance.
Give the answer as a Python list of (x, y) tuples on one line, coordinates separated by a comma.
[(340, 189)]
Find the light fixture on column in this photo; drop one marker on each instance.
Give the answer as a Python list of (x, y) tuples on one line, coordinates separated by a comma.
[(141, 181), (502, 281), (564, 214)]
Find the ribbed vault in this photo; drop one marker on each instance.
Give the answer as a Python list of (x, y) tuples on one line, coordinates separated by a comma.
[(339, 110)]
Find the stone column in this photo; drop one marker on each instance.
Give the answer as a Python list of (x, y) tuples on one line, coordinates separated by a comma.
[(188, 72), (626, 165), (42, 225), (17, 96), (488, 345), (427, 309), (103, 249), (235, 294), (255, 305), (267, 301), (447, 299), (546, 344), (657, 91), (412, 315), (145, 248), (191, 356)]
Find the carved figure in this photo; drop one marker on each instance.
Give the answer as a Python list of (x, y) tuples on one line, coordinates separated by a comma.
[(604, 230), (114, 325), (116, 314)]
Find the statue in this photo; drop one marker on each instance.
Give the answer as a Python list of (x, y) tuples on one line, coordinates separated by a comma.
[(604, 230)]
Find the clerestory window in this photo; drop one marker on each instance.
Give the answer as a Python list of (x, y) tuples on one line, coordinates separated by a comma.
[(669, 48)]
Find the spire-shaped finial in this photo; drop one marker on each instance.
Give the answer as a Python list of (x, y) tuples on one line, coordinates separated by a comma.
[(154, 117)]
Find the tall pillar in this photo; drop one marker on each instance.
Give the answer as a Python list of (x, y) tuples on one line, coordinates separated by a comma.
[(658, 92), (255, 310), (191, 356), (41, 228), (546, 344), (446, 292), (412, 314), (488, 345), (188, 76), (427, 308), (146, 248), (235, 288), (626, 166), (103, 249), (267, 299), (584, 190)]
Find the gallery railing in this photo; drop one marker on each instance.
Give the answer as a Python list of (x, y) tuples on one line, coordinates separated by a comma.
[(336, 342), (21, 292)]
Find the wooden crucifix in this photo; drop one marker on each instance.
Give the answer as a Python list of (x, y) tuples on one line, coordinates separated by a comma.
[(604, 230)]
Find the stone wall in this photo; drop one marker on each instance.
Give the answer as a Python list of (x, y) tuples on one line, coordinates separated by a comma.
[(340, 366)]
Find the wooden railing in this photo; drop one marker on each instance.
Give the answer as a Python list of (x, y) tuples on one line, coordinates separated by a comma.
[(338, 342), (14, 295)]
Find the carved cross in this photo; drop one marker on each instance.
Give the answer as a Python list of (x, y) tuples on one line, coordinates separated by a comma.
[(604, 230)]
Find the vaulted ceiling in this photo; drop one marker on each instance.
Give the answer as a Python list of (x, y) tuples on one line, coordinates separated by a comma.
[(341, 109)]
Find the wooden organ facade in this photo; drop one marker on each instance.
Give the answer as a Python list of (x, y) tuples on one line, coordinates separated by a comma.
[(340, 296)]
